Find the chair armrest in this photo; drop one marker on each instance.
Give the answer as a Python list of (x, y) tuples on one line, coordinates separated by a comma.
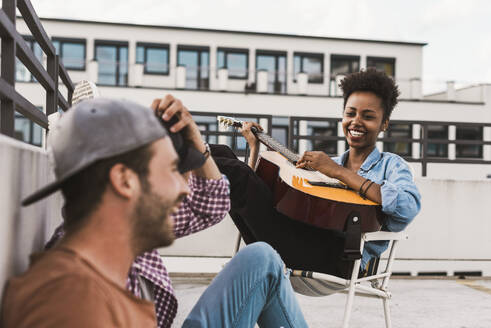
[(385, 235)]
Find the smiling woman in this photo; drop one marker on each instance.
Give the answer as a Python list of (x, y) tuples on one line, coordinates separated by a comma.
[(385, 178)]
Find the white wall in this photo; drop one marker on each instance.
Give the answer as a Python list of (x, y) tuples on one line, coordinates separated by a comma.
[(23, 230)]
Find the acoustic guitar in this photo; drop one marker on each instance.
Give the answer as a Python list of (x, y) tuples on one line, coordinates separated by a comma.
[(308, 195)]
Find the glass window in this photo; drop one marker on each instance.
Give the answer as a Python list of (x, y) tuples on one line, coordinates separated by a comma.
[(113, 63), (343, 65), (280, 127), (207, 125), (235, 60), (312, 64), (275, 64), (197, 62), (27, 131), (399, 131), (22, 74), (155, 58), (71, 52), (437, 149), (469, 133), (386, 65), (324, 133)]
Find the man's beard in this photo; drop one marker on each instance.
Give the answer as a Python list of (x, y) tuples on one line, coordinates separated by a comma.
[(152, 225)]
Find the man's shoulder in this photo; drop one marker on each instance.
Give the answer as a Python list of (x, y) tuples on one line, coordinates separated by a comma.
[(54, 292)]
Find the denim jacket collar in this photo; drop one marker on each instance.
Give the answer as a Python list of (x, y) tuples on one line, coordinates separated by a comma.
[(372, 159)]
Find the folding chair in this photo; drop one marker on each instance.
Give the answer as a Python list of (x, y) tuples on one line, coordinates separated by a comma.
[(320, 284)]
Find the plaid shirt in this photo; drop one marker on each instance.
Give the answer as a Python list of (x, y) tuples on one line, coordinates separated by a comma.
[(206, 205)]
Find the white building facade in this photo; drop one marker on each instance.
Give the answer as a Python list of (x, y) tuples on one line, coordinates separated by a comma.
[(288, 83)]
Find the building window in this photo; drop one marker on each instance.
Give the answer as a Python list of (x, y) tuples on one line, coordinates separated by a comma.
[(312, 64), (22, 74), (71, 52), (197, 63), (437, 149), (386, 65), (344, 65), (236, 61), (112, 57), (321, 135), (275, 64), (399, 131), (279, 129), (469, 133), (27, 131), (154, 57)]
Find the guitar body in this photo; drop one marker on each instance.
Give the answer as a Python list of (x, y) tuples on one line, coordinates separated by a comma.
[(321, 206)]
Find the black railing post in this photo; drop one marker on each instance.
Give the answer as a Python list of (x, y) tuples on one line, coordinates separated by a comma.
[(290, 133), (51, 95), (424, 162), (7, 112)]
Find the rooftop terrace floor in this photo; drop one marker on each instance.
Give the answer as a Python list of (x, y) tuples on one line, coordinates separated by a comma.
[(416, 302)]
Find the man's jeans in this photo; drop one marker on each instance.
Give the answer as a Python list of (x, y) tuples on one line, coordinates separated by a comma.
[(253, 287)]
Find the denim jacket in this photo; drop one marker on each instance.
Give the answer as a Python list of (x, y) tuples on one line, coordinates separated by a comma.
[(401, 200)]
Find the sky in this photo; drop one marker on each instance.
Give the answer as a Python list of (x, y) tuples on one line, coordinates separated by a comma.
[(458, 32)]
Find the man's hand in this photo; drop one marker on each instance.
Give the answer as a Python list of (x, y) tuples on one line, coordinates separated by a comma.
[(319, 161), (168, 107)]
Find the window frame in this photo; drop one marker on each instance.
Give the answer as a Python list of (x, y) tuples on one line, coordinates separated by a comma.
[(480, 147), (443, 146), (386, 60), (62, 40), (199, 50), (387, 135), (31, 43), (277, 54), (346, 57), (227, 50), (311, 55), (118, 44), (151, 45)]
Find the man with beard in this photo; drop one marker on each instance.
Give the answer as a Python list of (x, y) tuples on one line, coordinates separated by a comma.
[(120, 178), (206, 205)]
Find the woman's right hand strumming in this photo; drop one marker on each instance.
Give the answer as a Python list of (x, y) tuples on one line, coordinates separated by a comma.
[(252, 141)]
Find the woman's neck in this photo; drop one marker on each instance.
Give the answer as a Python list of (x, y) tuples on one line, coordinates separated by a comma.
[(356, 157)]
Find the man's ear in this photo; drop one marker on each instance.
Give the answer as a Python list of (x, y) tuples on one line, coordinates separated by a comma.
[(123, 181)]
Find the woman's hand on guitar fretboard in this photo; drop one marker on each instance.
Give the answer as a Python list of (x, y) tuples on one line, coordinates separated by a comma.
[(246, 131)]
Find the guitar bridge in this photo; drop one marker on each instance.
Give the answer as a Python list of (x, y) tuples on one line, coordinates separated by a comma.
[(328, 184)]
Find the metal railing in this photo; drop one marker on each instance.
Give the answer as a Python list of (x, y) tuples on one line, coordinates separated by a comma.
[(422, 142), (13, 45)]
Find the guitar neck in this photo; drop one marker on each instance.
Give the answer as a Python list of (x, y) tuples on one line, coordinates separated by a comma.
[(272, 143), (264, 138)]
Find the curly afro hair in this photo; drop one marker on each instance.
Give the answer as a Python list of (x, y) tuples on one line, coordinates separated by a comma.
[(373, 81)]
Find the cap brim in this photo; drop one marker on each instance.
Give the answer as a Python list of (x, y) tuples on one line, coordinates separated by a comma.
[(41, 193), (193, 159)]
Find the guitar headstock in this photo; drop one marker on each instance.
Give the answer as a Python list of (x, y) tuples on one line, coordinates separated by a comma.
[(229, 121)]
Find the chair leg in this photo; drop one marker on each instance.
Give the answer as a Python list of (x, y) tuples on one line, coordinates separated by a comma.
[(388, 322), (351, 294)]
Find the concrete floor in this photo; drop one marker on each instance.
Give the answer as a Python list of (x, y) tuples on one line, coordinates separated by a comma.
[(432, 303)]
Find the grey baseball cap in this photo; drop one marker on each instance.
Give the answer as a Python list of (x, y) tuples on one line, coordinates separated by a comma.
[(97, 129)]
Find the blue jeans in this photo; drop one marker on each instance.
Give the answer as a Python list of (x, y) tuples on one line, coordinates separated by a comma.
[(253, 287)]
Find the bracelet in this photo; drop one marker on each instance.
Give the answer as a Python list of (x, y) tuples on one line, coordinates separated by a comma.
[(365, 193), (360, 192), (207, 151)]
